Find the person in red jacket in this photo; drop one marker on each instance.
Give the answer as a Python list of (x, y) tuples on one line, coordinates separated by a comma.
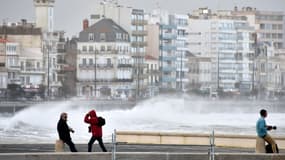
[(96, 130)]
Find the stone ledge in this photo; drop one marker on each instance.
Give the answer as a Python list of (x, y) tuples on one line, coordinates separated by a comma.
[(243, 141)]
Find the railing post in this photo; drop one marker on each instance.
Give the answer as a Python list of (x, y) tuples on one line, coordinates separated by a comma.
[(212, 146), (114, 145)]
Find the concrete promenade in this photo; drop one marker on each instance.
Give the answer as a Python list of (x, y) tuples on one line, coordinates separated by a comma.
[(131, 152), (170, 147), (139, 156)]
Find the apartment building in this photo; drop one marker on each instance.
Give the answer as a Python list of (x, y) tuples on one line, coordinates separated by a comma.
[(228, 40), (53, 47), (104, 62), (181, 21), (11, 60), (172, 39), (25, 53), (152, 71), (270, 70), (3, 67), (133, 21), (200, 73), (269, 25)]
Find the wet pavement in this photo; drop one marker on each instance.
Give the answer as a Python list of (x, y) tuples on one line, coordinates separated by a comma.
[(32, 148)]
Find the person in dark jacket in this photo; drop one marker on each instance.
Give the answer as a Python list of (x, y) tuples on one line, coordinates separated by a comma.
[(64, 132), (92, 119)]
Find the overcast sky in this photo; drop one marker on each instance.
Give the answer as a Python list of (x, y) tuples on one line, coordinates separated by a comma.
[(70, 13)]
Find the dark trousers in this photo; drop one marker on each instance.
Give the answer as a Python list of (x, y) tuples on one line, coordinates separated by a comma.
[(92, 140), (71, 146)]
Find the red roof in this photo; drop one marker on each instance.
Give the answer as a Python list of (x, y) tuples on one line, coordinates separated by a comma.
[(150, 57), (3, 40)]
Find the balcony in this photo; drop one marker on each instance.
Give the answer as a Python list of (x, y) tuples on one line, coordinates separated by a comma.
[(153, 72), (168, 79), (14, 67), (61, 40), (14, 80), (61, 61), (102, 80), (61, 72), (125, 65), (86, 66), (167, 47), (34, 70), (85, 52), (168, 36), (167, 58), (168, 27), (139, 33), (138, 22), (108, 52), (123, 80), (60, 50), (105, 66), (99, 66), (140, 65), (139, 44), (167, 69), (138, 54)]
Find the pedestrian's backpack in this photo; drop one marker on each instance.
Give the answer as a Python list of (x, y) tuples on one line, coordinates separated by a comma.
[(101, 121)]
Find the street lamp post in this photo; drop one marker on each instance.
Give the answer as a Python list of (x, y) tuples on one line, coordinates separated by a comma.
[(253, 63), (48, 68), (181, 72), (218, 86), (95, 74)]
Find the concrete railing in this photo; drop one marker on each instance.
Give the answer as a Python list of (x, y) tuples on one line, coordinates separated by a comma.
[(242, 141), (138, 156)]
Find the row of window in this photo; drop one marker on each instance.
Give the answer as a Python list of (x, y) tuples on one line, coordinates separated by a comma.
[(11, 48), (270, 17), (182, 22), (273, 35), (102, 36), (271, 26), (105, 61), (106, 48), (105, 74)]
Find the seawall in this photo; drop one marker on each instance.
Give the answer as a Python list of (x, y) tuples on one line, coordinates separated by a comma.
[(139, 137)]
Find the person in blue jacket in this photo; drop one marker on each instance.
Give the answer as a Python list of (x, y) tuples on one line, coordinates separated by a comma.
[(261, 129)]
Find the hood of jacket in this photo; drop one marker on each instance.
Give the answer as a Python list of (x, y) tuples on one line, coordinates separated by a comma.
[(92, 113)]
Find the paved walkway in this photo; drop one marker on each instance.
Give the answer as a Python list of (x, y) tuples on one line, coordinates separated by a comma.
[(24, 148)]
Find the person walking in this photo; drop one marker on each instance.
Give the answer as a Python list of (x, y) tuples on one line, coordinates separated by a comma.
[(261, 129), (96, 130), (64, 132)]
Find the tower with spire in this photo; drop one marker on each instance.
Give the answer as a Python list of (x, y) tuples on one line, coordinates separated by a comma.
[(44, 14)]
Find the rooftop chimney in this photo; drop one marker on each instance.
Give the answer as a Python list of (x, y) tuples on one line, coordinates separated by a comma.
[(85, 24)]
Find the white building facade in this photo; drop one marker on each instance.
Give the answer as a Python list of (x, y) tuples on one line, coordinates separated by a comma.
[(104, 62)]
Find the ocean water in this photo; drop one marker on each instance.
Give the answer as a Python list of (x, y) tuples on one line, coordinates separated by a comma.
[(37, 124)]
